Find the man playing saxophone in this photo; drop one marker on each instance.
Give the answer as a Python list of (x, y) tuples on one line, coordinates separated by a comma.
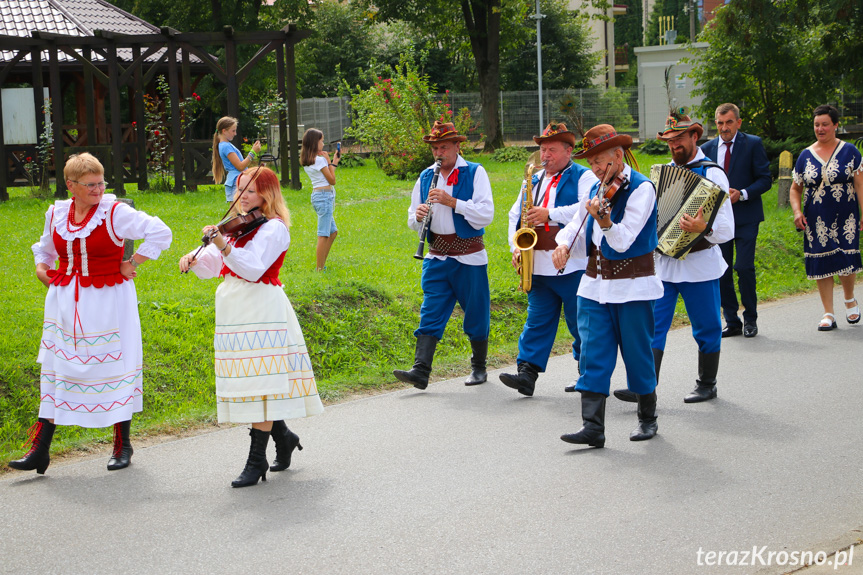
[(554, 193), (456, 266)]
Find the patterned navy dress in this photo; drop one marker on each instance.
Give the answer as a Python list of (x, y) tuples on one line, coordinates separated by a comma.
[(832, 239)]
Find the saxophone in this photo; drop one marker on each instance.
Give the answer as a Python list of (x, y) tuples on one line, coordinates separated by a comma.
[(525, 237)]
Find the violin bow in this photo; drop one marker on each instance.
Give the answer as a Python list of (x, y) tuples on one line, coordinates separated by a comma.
[(603, 185)]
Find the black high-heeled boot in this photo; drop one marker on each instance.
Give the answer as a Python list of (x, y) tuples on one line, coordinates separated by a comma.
[(39, 457), (647, 425), (286, 441), (256, 465), (122, 454)]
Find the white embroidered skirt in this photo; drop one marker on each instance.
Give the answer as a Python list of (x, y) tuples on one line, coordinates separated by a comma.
[(91, 362), (263, 370)]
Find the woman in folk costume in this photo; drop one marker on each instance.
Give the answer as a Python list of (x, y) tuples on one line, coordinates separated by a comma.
[(91, 351), (263, 371)]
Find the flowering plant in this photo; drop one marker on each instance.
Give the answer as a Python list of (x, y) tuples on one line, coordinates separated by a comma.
[(394, 114)]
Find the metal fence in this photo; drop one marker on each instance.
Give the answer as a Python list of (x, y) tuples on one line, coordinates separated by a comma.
[(519, 111)]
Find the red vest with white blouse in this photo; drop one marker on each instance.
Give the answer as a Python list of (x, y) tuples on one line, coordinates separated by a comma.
[(95, 260), (271, 276)]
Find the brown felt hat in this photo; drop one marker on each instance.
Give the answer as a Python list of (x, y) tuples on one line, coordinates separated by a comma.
[(556, 132), (443, 132), (602, 137), (677, 124)]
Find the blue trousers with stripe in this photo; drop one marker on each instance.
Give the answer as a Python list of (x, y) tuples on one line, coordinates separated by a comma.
[(544, 302), (445, 282), (701, 300), (604, 329)]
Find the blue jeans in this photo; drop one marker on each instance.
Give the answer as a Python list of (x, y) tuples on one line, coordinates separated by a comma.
[(324, 204), (229, 193)]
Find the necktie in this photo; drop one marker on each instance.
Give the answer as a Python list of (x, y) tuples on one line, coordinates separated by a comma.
[(727, 155)]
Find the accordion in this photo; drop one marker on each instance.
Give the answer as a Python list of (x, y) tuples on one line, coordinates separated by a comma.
[(681, 191)]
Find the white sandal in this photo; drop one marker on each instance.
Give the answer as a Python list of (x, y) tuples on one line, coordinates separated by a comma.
[(827, 323), (849, 311)]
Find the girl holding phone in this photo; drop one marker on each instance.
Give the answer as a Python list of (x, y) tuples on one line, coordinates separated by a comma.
[(322, 171)]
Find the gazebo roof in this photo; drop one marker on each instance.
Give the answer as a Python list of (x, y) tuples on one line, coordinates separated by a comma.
[(70, 18)]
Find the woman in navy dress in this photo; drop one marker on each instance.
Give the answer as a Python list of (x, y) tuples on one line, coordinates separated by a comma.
[(825, 196)]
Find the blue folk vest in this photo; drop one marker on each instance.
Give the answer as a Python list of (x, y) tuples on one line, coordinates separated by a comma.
[(463, 190), (646, 240), (567, 189)]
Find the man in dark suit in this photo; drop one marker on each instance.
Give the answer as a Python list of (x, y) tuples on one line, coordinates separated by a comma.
[(743, 158)]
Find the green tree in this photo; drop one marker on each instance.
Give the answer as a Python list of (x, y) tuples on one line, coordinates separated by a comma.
[(766, 57), (677, 8), (479, 23), (567, 61), (629, 33)]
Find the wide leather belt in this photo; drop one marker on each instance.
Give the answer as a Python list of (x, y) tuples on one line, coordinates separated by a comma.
[(545, 239), (453, 245), (637, 267)]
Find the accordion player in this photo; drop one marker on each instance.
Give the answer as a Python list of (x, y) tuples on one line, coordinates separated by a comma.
[(681, 191)]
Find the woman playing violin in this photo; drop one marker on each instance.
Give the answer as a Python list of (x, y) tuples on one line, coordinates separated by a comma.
[(263, 371)]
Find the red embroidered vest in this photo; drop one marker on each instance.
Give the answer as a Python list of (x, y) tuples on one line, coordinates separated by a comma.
[(271, 276), (95, 260)]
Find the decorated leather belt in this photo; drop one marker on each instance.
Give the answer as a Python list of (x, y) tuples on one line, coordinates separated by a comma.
[(637, 267), (702, 245), (545, 239), (452, 245)]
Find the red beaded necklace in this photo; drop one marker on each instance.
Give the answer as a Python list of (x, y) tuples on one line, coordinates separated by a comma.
[(70, 221)]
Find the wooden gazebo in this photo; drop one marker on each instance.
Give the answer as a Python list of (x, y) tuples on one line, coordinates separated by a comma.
[(119, 61)]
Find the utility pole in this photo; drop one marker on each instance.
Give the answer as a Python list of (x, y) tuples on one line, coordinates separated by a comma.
[(538, 17), (693, 10)]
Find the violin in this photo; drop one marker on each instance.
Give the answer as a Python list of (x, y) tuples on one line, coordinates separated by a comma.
[(607, 191)]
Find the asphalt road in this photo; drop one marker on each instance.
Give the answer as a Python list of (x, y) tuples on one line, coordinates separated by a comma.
[(476, 480)]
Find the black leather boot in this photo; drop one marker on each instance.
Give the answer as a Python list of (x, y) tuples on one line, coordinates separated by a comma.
[(419, 373), (525, 381), (647, 426), (592, 432), (631, 397), (39, 457), (286, 441), (477, 363), (708, 366), (122, 446), (256, 465)]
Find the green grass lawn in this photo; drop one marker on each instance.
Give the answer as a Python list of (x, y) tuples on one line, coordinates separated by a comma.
[(357, 318)]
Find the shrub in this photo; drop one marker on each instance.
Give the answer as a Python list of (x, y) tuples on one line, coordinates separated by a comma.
[(351, 160), (653, 147), (776, 147), (393, 115), (510, 154)]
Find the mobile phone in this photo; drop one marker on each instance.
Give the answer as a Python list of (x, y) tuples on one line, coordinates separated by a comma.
[(339, 148)]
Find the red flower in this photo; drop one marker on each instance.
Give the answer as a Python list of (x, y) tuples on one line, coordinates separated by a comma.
[(197, 97), (449, 112), (156, 132), (245, 140), (195, 94), (134, 124), (447, 91), (386, 101), (29, 159)]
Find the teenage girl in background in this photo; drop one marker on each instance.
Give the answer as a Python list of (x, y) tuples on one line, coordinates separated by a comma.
[(322, 172), (227, 158)]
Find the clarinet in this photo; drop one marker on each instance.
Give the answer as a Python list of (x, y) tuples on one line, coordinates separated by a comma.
[(427, 220)]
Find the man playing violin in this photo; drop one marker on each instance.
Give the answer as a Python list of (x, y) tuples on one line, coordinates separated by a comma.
[(556, 190), (617, 293), (695, 278), (456, 266)]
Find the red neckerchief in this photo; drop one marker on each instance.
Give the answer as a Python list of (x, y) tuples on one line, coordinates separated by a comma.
[(552, 185), (453, 177)]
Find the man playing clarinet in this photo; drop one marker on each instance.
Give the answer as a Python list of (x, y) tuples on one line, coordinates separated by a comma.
[(695, 278), (617, 293), (456, 266)]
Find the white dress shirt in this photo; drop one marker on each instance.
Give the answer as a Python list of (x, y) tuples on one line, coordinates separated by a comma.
[(562, 215), (707, 264), (620, 237), (478, 211)]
